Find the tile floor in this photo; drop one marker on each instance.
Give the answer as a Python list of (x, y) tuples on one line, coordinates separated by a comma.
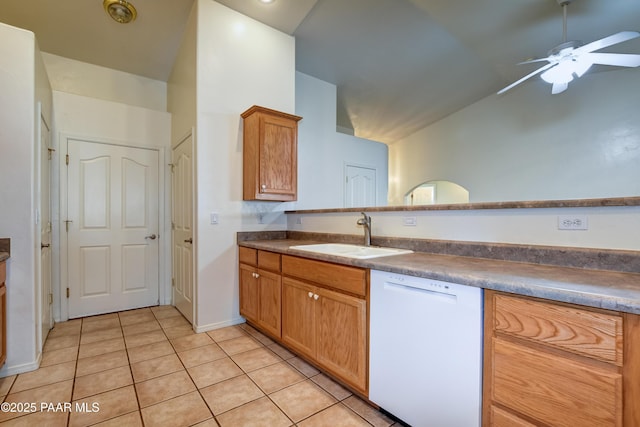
[(147, 367)]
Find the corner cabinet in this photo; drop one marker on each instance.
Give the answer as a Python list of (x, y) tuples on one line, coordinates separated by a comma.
[(270, 155), (556, 364), (260, 289)]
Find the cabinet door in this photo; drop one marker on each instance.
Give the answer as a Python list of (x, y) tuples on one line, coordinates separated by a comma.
[(298, 316), (342, 329), (278, 157), (249, 293), (269, 288)]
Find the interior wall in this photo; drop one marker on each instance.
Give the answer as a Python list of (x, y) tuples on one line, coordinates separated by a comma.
[(530, 145), (323, 152), (81, 78), (240, 62), (17, 196)]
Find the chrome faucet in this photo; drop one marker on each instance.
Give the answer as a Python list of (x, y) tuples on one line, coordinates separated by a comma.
[(366, 222)]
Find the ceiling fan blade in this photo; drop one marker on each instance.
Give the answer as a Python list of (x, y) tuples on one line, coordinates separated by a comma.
[(616, 59), (538, 71), (531, 61), (559, 88), (620, 37)]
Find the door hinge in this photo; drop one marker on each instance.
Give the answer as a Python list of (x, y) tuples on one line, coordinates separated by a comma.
[(172, 166), (173, 225), (50, 299), (173, 282), (51, 150), (67, 292), (67, 159), (67, 224)]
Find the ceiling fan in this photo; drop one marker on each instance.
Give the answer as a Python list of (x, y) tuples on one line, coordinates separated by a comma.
[(573, 58)]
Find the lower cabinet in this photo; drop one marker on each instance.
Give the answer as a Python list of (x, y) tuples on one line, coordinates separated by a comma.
[(316, 309), (554, 364), (3, 313), (329, 327)]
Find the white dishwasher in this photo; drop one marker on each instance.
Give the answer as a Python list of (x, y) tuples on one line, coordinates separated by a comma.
[(425, 351)]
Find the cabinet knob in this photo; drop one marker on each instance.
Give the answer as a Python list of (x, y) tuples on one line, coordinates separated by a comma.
[(310, 294), (315, 296), (257, 275), (263, 187)]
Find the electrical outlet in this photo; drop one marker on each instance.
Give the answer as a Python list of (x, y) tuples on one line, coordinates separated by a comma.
[(409, 221), (299, 220), (214, 218), (573, 222)]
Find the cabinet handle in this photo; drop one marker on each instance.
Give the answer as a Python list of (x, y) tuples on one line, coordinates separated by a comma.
[(315, 297), (310, 294)]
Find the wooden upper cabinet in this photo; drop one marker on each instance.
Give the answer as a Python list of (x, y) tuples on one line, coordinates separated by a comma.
[(270, 155)]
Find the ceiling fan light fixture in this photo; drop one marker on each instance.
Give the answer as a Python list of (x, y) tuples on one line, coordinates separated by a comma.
[(120, 10)]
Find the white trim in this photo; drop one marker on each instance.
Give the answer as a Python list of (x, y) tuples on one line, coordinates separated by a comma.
[(19, 369), (218, 325)]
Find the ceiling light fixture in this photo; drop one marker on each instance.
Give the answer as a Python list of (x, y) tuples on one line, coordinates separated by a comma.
[(266, 1), (120, 10)]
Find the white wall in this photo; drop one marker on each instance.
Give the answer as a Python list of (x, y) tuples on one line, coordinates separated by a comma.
[(530, 145), (323, 152), (609, 227), (23, 83), (240, 62), (81, 78)]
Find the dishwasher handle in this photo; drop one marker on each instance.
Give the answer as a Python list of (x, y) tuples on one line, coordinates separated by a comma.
[(402, 287)]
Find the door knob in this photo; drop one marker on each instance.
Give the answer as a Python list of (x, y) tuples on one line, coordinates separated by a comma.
[(44, 245), (152, 237), (189, 240)]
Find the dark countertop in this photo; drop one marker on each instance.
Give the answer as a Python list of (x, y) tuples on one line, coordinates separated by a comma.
[(612, 290)]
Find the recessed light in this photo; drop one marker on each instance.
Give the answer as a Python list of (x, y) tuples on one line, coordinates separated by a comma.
[(266, 1), (120, 10)]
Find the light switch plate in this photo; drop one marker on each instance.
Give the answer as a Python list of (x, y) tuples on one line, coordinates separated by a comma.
[(214, 218)]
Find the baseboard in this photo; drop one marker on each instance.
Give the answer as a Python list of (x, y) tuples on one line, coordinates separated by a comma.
[(212, 326), (7, 371)]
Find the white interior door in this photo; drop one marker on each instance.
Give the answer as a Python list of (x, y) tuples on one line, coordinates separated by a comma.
[(182, 226), (360, 186), (46, 296), (112, 244)]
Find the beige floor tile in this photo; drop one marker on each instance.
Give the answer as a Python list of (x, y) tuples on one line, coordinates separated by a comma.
[(100, 382), (255, 359), (276, 377), (330, 386), (211, 422), (366, 411), (260, 337), (227, 333), (43, 376), (239, 345), (259, 413), (137, 316), (52, 393), (184, 410), (198, 356), (140, 328), (178, 331), (132, 419), (157, 367), (102, 335), (281, 351), (40, 419), (55, 357), (111, 404), (164, 311), (64, 341), (213, 372), (6, 383), (164, 388), (302, 400), (173, 322), (335, 416), (190, 341), (303, 367), (144, 338), (149, 351), (101, 324), (99, 317), (101, 347), (102, 362), (71, 327), (229, 394)]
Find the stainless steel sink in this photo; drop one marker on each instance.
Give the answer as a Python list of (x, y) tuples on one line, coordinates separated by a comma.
[(351, 251)]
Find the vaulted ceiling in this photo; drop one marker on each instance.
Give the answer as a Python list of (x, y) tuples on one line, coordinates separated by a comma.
[(399, 65)]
